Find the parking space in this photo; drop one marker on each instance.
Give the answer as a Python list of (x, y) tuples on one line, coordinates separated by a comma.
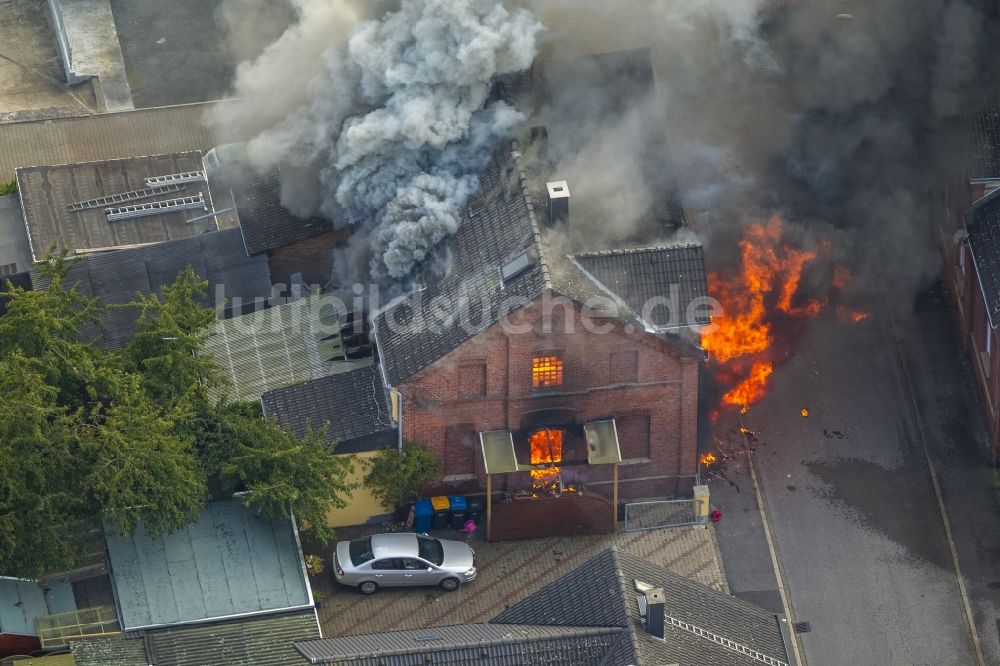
[(187, 50), (508, 572)]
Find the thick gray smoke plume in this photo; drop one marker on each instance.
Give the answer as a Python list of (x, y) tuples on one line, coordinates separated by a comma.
[(838, 114), (394, 117)]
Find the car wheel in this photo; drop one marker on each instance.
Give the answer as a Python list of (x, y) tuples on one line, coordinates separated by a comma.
[(449, 584), (368, 587)]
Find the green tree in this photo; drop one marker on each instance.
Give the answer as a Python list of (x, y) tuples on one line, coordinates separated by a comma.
[(396, 476), (276, 471), (92, 437)]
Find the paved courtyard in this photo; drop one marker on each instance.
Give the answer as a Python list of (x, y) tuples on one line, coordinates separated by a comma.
[(508, 572)]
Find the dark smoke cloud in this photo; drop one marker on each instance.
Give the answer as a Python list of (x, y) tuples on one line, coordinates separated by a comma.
[(838, 114), (393, 120)]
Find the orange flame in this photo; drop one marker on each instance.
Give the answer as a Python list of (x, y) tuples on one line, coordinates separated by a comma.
[(546, 447), (707, 459), (804, 411), (769, 279)]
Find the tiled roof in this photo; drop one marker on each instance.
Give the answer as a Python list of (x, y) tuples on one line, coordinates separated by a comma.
[(46, 193), (110, 651), (499, 226), (602, 592), (266, 224), (116, 276), (485, 644), (279, 346), (264, 641), (231, 561), (644, 276), (257, 641), (982, 129), (353, 403), (982, 223)]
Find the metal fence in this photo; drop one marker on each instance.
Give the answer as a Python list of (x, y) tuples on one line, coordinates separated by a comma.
[(659, 514)]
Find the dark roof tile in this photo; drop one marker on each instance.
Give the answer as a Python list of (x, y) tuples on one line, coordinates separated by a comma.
[(266, 224), (982, 223), (353, 403)]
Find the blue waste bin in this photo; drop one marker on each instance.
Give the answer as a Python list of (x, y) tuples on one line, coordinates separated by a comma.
[(423, 512), (459, 512)]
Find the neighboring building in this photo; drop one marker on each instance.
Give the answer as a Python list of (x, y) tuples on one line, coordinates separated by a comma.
[(22, 603), (228, 589), (117, 203), (545, 383), (294, 245), (15, 253), (614, 610), (234, 279), (970, 238), (231, 563), (354, 409), (282, 345)]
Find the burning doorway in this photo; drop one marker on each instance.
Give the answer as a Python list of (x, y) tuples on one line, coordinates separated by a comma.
[(546, 446)]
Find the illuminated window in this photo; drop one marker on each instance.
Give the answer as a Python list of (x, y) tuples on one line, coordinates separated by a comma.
[(546, 371)]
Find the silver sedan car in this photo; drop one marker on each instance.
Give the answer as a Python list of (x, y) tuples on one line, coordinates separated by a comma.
[(402, 560)]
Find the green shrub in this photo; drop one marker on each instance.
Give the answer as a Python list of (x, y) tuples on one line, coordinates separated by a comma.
[(8, 187), (395, 476)]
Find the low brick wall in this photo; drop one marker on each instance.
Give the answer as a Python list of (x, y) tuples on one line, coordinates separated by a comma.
[(569, 515)]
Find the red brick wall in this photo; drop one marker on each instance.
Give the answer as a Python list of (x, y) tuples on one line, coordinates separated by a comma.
[(631, 377)]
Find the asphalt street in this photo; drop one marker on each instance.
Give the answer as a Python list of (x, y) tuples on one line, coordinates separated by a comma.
[(854, 514)]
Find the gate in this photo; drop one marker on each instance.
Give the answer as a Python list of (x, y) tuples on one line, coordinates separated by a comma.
[(659, 514)]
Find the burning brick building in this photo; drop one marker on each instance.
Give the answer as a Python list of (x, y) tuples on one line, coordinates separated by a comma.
[(520, 337)]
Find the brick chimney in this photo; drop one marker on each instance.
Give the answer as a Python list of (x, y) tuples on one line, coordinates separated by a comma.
[(558, 201)]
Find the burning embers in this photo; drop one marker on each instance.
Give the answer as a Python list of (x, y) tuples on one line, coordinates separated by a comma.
[(766, 291)]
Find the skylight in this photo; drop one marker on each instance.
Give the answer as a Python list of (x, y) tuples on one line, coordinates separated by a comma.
[(516, 267)]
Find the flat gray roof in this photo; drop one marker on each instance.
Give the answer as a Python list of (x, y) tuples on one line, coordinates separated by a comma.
[(24, 601), (47, 191), (229, 563)]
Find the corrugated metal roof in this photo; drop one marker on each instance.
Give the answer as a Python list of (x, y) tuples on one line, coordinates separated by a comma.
[(266, 641), (982, 224), (231, 561), (280, 346)]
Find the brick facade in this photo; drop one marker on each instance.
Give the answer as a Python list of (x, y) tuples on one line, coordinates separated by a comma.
[(648, 386), (980, 341)]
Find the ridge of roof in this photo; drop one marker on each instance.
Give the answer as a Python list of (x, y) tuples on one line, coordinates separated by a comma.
[(536, 231), (636, 250)]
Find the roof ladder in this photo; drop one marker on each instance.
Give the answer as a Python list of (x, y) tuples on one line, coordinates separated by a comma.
[(175, 178), (156, 208), (134, 195)]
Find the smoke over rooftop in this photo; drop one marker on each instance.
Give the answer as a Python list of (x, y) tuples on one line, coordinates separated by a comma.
[(394, 120), (836, 114)]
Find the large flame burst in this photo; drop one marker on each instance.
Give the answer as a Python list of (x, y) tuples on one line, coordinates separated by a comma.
[(767, 283)]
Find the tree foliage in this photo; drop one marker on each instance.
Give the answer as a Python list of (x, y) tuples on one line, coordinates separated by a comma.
[(92, 437), (396, 476)]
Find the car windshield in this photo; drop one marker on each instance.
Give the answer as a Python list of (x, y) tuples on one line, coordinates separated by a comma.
[(361, 551), (431, 550)]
